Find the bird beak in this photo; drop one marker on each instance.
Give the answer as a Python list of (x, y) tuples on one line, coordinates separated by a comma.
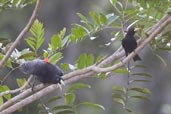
[(62, 82), (136, 29)]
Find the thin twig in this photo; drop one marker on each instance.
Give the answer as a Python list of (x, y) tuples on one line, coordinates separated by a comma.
[(18, 89), (7, 75), (22, 33)]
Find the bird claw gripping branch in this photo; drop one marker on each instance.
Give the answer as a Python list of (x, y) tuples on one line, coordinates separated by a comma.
[(46, 72)]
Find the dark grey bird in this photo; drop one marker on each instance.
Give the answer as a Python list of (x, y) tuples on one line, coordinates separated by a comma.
[(129, 43), (46, 72)]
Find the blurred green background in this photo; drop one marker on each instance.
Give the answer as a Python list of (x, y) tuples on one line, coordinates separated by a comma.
[(56, 14)]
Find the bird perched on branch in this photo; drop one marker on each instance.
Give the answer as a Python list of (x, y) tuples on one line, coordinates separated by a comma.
[(46, 72), (129, 43)]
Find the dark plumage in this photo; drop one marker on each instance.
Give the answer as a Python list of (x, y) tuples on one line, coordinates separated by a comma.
[(45, 71), (129, 43)]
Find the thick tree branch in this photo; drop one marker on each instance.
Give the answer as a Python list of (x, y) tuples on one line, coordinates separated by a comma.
[(89, 71), (20, 36), (30, 99)]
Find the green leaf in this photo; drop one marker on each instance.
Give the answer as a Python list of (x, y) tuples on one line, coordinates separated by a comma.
[(119, 89), (82, 61), (120, 4), (141, 74), (90, 60), (141, 97), (8, 63), (120, 101), (78, 33), (39, 43), (62, 33), (121, 71), (82, 17), (131, 81), (65, 66), (118, 95), (21, 81), (66, 112), (69, 98), (5, 88), (141, 90), (77, 86), (92, 105), (14, 2), (27, 55), (25, 51), (127, 109), (65, 41), (140, 66), (103, 19), (37, 29), (102, 76), (85, 20), (94, 17), (56, 42), (45, 54), (99, 58), (62, 107), (31, 43), (53, 99), (162, 60), (111, 18), (73, 38), (37, 40), (55, 58)]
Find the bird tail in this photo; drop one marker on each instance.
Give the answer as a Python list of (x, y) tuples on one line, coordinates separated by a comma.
[(136, 58)]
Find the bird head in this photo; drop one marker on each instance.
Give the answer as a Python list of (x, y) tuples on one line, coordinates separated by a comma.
[(132, 30)]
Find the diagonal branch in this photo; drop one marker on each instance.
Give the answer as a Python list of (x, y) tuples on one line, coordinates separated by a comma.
[(22, 33)]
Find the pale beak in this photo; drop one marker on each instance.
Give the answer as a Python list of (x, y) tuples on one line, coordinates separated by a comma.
[(60, 87), (137, 29), (62, 82)]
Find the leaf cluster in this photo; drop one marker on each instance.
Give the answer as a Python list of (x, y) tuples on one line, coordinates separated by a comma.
[(122, 94), (69, 106)]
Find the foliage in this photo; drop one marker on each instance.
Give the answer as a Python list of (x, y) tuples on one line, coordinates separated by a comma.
[(69, 106), (37, 40), (9, 4), (139, 13), (122, 94)]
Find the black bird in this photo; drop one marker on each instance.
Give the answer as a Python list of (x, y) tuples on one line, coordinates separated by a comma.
[(129, 43), (46, 72)]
